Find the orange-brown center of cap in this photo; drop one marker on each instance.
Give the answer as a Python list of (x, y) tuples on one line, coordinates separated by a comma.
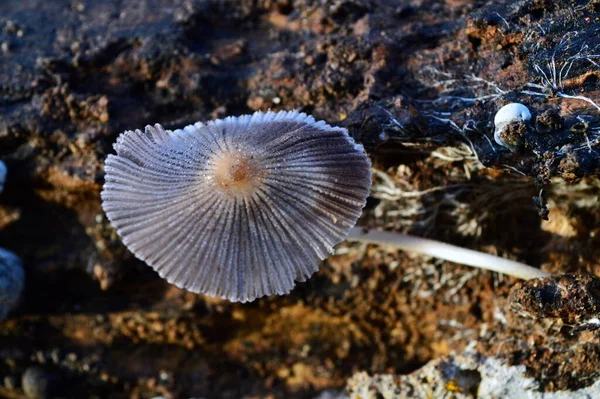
[(237, 173)]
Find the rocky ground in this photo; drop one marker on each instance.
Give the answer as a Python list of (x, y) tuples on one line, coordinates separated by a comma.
[(418, 83)]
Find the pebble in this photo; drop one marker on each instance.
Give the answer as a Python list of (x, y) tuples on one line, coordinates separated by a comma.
[(35, 383), (10, 382), (12, 279)]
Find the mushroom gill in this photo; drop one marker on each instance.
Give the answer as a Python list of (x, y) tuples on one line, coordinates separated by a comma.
[(237, 208)]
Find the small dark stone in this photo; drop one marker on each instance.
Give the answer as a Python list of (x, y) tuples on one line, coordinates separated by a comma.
[(572, 298), (285, 6)]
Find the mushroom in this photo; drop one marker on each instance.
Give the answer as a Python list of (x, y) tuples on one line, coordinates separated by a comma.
[(243, 207), (237, 208)]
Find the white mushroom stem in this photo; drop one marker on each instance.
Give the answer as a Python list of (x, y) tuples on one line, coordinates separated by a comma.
[(447, 252)]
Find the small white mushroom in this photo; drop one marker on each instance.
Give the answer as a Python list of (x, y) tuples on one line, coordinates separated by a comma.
[(509, 113), (237, 208), (2, 175), (12, 278)]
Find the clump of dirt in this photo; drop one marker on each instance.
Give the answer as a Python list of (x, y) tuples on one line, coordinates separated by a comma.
[(514, 134), (569, 298)]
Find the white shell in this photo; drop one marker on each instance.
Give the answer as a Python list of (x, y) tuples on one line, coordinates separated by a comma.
[(507, 114), (2, 175), (12, 279), (305, 189)]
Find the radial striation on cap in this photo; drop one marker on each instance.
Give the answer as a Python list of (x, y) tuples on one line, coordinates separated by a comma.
[(237, 208)]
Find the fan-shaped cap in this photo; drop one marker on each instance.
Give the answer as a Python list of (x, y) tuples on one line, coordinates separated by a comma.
[(240, 207)]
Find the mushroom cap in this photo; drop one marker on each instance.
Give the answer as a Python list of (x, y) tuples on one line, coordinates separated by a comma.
[(240, 207)]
